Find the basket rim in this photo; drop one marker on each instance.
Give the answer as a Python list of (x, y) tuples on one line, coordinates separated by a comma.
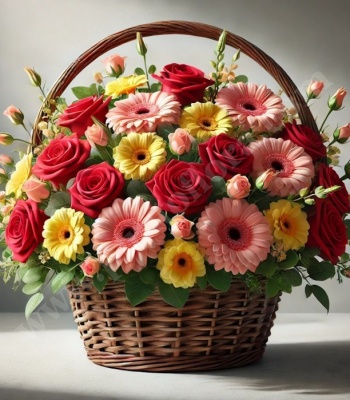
[(171, 27)]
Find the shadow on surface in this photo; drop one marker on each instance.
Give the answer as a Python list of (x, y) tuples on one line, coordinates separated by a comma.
[(303, 368)]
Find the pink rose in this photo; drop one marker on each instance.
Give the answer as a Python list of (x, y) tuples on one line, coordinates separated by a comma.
[(180, 141), (181, 227), (61, 159), (181, 187), (225, 156), (238, 187), (314, 89), (185, 82), (96, 135), (342, 134), (77, 116), (336, 101), (90, 266), (5, 159), (24, 231), (95, 188), (35, 189), (263, 181), (114, 64)]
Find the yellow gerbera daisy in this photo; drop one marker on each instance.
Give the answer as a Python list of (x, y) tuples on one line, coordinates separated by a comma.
[(140, 155), (288, 224), (125, 85), (204, 120), (19, 176), (65, 234), (180, 263)]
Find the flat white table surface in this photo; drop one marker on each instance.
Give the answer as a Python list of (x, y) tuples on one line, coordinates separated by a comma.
[(307, 357)]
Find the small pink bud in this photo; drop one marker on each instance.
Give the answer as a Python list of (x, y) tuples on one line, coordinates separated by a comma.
[(5, 159), (35, 189), (336, 101), (342, 134), (114, 65), (238, 187), (6, 139), (14, 114), (314, 89), (96, 135), (181, 227), (263, 181), (98, 78), (90, 266), (180, 141)]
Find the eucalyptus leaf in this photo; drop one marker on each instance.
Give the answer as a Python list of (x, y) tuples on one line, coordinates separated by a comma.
[(33, 274), (33, 287), (33, 303), (60, 280), (139, 71)]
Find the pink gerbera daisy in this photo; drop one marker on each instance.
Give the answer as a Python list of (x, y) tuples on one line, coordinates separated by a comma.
[(143, 112), (235, 235), (293, 166), (252, 107), (128, 232)]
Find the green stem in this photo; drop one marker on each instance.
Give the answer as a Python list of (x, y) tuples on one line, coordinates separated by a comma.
[(24, 141), (146, 71), (324, 121)]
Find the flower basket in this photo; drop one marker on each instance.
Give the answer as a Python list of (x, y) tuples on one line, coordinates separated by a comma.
[(174, 271)]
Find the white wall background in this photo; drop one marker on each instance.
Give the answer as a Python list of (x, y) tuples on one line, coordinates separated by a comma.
[(308, 38)]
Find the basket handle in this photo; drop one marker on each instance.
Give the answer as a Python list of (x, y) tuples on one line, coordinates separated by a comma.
[(184, 28)]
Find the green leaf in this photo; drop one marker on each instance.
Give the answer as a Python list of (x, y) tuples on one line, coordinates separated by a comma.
[(308, 255), (57, 201), (115, 276), (33, 287), (267, 268), (137, 188), (292, 277), (176, 297), (202, 281), (321, 271), (33, 274), (272, 287), (150, 276), (320, 295), (99, 280), (33, 303), (136, 291), (60, 280), (139, 71), (105, 154), (22, 270), (152, 69), (241, 78), (80, 92), (219, 185), (291, 260), (219, 280), (308, 290)]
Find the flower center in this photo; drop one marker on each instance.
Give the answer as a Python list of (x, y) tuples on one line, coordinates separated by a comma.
[(286, 225), (208, 124), (277, 166), (65, 235), (235, 234), (128, 232), (249, 106), (142, 110), (280, 164), (141, 156), (182, 261)]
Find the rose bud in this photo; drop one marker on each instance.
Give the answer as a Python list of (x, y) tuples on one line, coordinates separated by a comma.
[(181, 227), (238, 187), (96, 135), (180, 141), (336, 101), (98, 78), (342, 134), (263, 181), (35, 189), (140, 45), (5, 159), (314, 89), (5, 139), (34, 77), (14, 114), (114, 65), (90, 266)]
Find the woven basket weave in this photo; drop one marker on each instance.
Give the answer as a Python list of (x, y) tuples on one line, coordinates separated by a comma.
[(213, 330)]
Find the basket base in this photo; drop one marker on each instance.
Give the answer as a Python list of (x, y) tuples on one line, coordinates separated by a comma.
[(214, 330)]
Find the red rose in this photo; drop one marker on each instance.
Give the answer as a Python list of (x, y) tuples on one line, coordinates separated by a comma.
[(327, 231), (185, 82), (327, 177), (225, 156), (24, 231), (77, 116), (61, 159), (181, 187), (95, 188), (307, 138)]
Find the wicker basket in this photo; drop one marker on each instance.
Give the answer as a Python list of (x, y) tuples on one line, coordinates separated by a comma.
[(213, 330)]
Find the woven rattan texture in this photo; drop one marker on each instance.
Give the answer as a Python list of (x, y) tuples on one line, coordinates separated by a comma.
[(213, 330)]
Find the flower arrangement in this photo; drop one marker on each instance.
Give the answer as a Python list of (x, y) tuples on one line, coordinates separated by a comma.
[(171, 180)]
